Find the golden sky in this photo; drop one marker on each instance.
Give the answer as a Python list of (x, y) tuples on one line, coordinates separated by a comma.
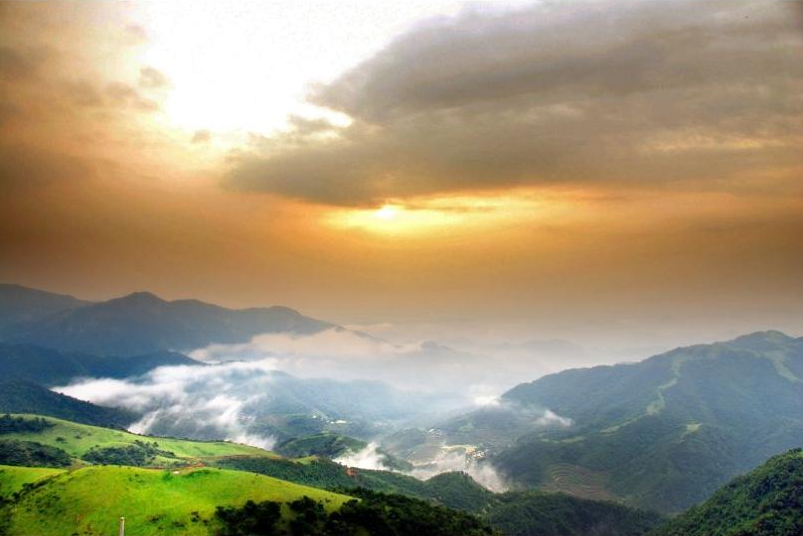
[(510, 169)]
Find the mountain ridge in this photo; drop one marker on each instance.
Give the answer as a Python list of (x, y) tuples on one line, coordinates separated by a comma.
[(688, 419), (142, 322)]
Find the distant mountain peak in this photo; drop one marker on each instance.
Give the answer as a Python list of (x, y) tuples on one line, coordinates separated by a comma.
[(769, 335), (141, 296)]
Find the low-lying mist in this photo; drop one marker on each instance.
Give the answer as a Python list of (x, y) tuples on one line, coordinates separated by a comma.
[(280, 386), (423, 365), (253, 402)]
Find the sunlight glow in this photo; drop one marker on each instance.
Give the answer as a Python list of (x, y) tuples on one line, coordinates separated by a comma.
[(387, 212), (454, 213), (246, 66)]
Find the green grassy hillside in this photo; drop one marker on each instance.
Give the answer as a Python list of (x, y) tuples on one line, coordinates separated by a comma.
[(90, 500), (765, 502), (12, 478), (79, 439)]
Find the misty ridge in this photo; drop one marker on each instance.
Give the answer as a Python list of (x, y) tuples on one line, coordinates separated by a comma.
[(299, 376), (345, 382)]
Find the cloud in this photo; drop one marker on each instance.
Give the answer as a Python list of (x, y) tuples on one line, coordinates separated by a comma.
[(152, 78), (482, 472), (135, 34), (457, 460), (367, 458), (123, 95), (673, 93), (420, 365), (201, 136), (28, 167), (189, 401), (553, 419), (254, 401), (18, 64)]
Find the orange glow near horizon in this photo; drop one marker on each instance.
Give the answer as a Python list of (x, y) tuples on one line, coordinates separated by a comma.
[(457, 213)]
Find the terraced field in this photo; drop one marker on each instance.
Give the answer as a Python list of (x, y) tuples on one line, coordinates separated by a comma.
[(577, 481)]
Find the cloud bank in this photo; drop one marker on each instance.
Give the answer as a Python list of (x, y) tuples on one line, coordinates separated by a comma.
[(422, 365), (683, 95), (189, 401)]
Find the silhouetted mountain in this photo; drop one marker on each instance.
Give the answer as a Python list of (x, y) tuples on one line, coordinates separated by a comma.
[(143, 323), (20, 304), (26, 397), (51, 367), (666, 432), (768, 501)]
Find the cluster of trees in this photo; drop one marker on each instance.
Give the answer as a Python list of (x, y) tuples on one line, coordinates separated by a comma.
[(768, 501), (13, 425), (138, 454), (537, 512), (29, 454), (373, 513)]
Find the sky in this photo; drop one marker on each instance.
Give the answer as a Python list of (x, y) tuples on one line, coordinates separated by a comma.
[(625, 174)]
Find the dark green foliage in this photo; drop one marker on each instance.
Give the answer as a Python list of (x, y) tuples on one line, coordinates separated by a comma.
[(457, 490), (325, 444), (308, 517), (140, 454), (11, 425), (535, 513), (29, 454), (765, 502), (25, 397), (373, 514), (250, 520)]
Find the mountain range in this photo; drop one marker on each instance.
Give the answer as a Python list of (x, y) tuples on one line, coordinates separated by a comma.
[(663, 433), (52, 367), (140, 323)]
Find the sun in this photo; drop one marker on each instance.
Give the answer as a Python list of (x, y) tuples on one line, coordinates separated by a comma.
[(387, 212)]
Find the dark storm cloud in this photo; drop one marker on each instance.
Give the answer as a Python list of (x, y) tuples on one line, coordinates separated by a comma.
[(685, 94)]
